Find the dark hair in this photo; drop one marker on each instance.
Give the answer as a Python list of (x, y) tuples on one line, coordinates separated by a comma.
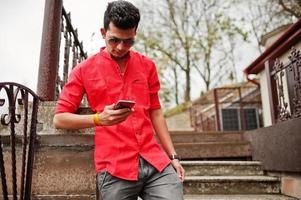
[(123, 14)]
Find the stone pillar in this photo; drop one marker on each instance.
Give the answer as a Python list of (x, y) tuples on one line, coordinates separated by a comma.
[(49, 54)]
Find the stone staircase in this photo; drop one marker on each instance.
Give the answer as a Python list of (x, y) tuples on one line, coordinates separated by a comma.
[(207, 177), (225, 180), (211, 145)]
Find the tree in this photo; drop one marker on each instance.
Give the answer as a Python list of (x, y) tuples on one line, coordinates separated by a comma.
[(291, 7), (190, 34), (266, 15)]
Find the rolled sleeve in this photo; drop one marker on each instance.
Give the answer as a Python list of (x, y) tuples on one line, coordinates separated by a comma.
[(71, 94), (154, 87)]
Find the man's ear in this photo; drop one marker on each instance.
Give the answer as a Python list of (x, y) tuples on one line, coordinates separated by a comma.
[(103, 32)]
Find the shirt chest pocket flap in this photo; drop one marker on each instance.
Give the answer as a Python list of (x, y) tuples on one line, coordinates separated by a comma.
[(96, 90)]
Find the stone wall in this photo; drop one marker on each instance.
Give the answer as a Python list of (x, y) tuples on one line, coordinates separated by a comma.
[(64, 159), (66, 168), (180, 121), (290, 183), (278, 148)]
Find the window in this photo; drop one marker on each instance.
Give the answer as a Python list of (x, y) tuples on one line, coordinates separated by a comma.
[(251, 118), (230, 119)]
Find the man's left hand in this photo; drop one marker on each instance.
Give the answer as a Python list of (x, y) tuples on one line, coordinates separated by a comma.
[(179, 169)]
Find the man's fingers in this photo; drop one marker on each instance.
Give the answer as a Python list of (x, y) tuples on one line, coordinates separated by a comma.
[(119, 118), (109, 107), (179, 169), (121, 111), (182, 174), (119, 121), (109, 116)]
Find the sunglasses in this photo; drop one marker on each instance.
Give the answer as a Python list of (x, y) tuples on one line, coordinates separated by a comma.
[(127, 42)]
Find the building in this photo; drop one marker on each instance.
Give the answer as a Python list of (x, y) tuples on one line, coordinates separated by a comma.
[(278, 144), (233, 107)]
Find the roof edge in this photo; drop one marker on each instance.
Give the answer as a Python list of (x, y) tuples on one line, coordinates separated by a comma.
[(258, 64)]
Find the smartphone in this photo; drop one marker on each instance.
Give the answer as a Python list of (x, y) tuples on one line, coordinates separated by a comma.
[(124, 104)]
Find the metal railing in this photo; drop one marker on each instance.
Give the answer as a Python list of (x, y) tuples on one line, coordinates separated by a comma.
[(73, 50), (17, 142), (207, 115), (286, 87)]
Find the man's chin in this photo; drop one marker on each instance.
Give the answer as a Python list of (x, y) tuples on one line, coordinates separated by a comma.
[(119, 56)]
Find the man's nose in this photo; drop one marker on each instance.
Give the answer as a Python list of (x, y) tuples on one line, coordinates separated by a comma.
[(121, 46)]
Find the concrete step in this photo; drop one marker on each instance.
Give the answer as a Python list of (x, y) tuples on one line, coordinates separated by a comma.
[(238, 197), (229, 149), (231, 185), (196, 137), (67, 138), (222, 168)]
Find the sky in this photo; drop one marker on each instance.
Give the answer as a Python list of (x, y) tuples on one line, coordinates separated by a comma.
[(21, 31), (20, 38)]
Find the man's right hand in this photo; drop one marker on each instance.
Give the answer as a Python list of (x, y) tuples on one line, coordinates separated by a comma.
[(109, 116)]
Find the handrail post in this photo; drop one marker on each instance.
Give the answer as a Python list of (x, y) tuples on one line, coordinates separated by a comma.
[(49, 54), (271, 92), (241, 111), (216, 104)]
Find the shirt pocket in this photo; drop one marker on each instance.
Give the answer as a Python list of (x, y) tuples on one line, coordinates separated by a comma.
[(140, 91), (97, 93)]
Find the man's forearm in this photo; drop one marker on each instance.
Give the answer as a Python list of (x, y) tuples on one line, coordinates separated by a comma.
[(160, 127), (108, 117), (72, 121)]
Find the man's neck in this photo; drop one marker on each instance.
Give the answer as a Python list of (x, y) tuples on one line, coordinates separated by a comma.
[(121, 61)]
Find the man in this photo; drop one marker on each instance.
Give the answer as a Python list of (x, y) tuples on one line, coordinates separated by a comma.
[(128, 160)]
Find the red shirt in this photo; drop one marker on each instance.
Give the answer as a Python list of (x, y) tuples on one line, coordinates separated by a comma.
[(118, 147)]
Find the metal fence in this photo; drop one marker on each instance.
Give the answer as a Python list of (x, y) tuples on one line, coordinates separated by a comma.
[(228, 109), (17, 141)]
